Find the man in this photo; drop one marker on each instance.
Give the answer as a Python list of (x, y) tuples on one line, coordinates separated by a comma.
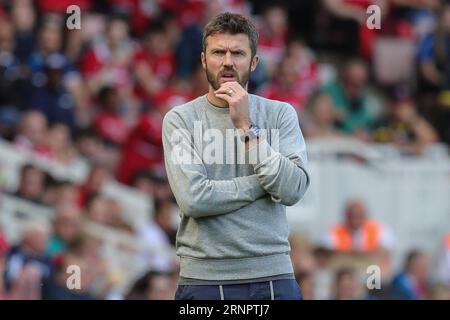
[(233, 235), (356, 108), (412, 282), (358, 233)]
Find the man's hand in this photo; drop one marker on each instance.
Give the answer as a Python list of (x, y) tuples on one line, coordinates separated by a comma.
[(237, 99)]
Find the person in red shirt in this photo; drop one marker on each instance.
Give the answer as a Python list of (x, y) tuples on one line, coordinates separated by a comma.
[(97, 178), (273, 35), (143, 147), (108, 123), (154, 62), (284, 85), (296, 77), (108, 61)]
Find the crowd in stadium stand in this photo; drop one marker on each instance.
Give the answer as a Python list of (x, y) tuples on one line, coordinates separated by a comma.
[(100, 94)]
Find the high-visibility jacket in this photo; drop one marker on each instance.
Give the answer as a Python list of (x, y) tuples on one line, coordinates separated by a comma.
[(370, 237)]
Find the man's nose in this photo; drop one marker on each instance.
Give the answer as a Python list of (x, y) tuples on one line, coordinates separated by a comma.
[(227, 60)]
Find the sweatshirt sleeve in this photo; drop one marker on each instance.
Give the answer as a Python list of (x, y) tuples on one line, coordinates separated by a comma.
[(197, 195), (283, 174)]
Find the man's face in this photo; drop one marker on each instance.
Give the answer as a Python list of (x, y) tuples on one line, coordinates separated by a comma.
[(355, 215), (355, 80), (228, 57)]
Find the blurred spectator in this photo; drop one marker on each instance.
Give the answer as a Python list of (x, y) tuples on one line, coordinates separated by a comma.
[(27, 260), (411, 283), (56, 287), (66, 193), (306, 66), (31, 185), (60, 143), (153, 183), (346, 285), (273, 35), (347, 30), (143, 146), (355, 107), (434, 55), (42, 63), (32, 134), (323, 273), (190, 46), (163, 216), (11, 100), (302, 254), (358, 233), (109, 123), (444, 262), (154, 63), (4, 248), (59, 192), (93, 185), (23, 17), (306, 282), (66, 229), (50, 42), (91, 146), (154, 285), (411, 19), (116, 216), (198, 82), (405, 128), (98, 210), (108, 60), (50, 96), (319, 119), (158, 235), (383, 259), (108, 212), (99, 278), (434, 74), (284, 87)]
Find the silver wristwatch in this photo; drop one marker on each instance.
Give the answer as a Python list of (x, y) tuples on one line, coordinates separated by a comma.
[(254, 132)]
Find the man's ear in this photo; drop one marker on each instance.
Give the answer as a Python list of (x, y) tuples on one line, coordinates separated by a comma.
[(254, 63), (203, 58)]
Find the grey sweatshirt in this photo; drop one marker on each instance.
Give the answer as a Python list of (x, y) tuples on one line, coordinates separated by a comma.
[(233, 216)]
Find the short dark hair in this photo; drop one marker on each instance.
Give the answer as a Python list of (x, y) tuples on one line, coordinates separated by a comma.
[(411, 257), (232, 23)]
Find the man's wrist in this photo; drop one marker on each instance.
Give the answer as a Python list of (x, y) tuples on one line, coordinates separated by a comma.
[(244, 126)]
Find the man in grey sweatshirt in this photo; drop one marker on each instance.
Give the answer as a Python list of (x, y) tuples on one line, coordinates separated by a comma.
[(234, 161)]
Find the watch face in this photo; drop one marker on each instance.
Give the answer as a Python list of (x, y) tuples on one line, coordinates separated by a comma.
[(256, 131), (251, 134)]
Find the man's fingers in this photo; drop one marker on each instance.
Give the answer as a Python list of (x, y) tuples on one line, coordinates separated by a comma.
[(224, 96), (224, 91), (233, 85)]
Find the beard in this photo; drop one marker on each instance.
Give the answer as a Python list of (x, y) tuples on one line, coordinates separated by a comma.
[(214, 79)]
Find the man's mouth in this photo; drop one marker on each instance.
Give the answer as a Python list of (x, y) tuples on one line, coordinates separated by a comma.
[(228, 76)]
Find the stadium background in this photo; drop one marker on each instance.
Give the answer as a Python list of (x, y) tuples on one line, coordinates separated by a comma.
[(81, 175)]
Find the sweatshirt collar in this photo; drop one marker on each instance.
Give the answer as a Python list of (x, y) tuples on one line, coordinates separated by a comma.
[(214, 108)]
